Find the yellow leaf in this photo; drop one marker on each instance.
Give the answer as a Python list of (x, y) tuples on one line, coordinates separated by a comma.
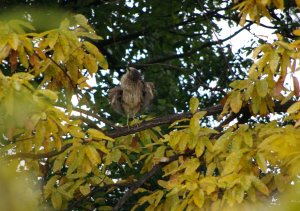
[(261, 87), (210, 169), (87, 165), (22, 56), (76, 131), (105, 208), (261, 162), (293, 108), (175, 137), (94, 50), (192, 165), (52, 38), (194, 102), (297, 31), (278, 3), (127, 159), (27, 43), (85, 189), (158, 197), (200, 147), (236, 143), (245, 182), (100, 146), (256, 101), (92, 154), (239, 194), (222, 142), (58, 55), (63, 41), (181, 120), (236, 101), (90, 63), (56, 200), (198, 197), (13, 40), (96, 134), (59, 161), (82, 21), (141, 157), (115, 155), (232, 162), (247, 138), (77, 175), (160, 152), (248, 92), (274, 60), (259, 185), (48, 93), (194, 125)]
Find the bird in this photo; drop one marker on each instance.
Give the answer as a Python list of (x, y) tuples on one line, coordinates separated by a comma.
[(132, 96)]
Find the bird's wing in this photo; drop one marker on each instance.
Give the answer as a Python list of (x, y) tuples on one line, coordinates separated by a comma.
[(148, 94), (115, 99)]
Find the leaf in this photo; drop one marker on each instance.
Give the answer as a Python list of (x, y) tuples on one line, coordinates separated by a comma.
[(261, 87), (48, 93), (239, 194), (92, 154), (259, 185), (245, 182), (85, 189), (235, 101), (100, 147), (115, 155), (296, 86), (27, 43), (94, 50), (198, 197), (247, 138), (297, 31), (59, 161), (158, 197), (194, 103), (192, 165), (56, 200), (274, 60), (181, 120), (293, 108), (105, 208), (13, 40), (96, 134), (256, 101), (90, 63), (52, 38), (232, 162), (160, 151), (194, 125), (261, 162), (278, 86)]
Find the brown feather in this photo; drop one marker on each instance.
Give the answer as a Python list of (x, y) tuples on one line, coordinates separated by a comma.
[(133, 95)]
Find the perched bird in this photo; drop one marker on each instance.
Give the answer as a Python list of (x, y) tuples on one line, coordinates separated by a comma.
[(132, 96)]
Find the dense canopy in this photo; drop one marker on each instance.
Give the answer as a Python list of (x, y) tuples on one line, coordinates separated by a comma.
[(205, 142)]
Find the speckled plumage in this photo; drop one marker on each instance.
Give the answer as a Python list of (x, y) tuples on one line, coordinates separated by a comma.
[(133, 95)]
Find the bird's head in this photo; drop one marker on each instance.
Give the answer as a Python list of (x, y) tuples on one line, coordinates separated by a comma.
[(134, 74)]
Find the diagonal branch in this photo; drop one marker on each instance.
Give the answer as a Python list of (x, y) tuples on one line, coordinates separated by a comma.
[(95, 190)]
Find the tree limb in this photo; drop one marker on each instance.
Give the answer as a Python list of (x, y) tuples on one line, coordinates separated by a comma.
[(95, 190), (38, 156)]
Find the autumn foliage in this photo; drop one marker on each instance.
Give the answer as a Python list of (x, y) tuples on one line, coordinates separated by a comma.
[(235, 166)]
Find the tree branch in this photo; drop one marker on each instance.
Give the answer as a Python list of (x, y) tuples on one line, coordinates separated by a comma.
[(38, 156), (95, 190), (168, 119)]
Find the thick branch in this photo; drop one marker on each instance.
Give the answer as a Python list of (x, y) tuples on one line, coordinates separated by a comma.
[(168, 119), (39, 156)]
